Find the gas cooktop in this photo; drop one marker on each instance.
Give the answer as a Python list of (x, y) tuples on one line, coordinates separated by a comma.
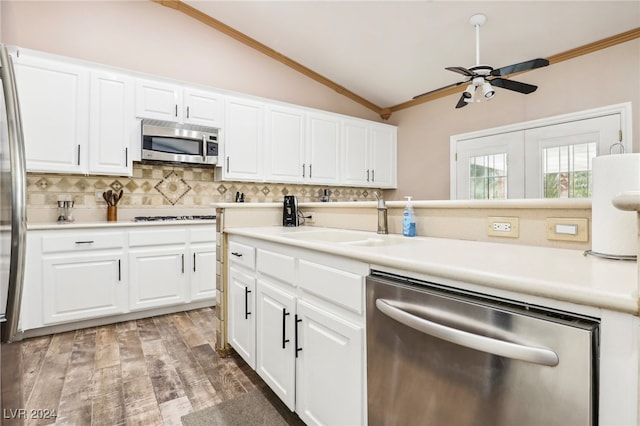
[(170, 218)]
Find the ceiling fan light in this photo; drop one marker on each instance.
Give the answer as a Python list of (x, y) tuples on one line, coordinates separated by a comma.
[(468, 93), (487, 90)]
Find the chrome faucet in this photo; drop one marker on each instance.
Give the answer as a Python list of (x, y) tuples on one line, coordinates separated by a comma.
[(382, 215)]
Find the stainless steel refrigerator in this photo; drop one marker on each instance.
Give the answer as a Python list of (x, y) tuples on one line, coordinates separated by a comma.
[(13, 228)]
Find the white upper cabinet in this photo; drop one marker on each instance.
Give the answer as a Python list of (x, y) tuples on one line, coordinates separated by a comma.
[(243, 140), (112, 124), (203, 108), (322, 149), (75, 119), (284, 144), (173, 102), (158, 100), (369, 154), (54, 104), (383, 155)]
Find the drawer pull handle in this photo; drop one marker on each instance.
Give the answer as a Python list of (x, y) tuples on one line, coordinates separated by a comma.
[(246, 303), (236, 254), (284, 324), (85, 242)]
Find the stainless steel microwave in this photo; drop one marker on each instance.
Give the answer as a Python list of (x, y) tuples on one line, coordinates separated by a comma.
[(179, 143)]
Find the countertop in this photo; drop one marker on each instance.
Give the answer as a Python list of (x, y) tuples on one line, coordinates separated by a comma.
[(559, 274), (35, 226)]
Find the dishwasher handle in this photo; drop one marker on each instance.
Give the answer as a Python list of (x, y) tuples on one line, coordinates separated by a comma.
[(535, 355)]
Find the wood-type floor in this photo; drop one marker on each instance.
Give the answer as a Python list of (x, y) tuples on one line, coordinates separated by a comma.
[(144, 372)]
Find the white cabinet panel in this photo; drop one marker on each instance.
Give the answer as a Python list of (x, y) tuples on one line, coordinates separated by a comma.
[(322, 148), (383, 156), (157, 100), (203, 271), (330, 374), (241, 314), (82, 286), (243, 140), (203, 108), (285, 136), (157, 277), (111, 124), (275, 352), (355, 153), (54, 104)]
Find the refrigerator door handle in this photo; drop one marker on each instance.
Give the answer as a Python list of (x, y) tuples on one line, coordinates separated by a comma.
[(542, 356), (18, 197)]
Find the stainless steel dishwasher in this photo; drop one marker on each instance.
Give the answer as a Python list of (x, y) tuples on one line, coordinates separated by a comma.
[(440, 356)]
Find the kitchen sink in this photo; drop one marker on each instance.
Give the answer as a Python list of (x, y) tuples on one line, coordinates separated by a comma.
[(355, 238)]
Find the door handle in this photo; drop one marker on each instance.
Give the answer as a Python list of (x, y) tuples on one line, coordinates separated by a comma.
[(183, 263), (303, 169), (119, 271), (297, 321), (367, 175), (542, 356), (194, 262), (284, 324), (246, 303)]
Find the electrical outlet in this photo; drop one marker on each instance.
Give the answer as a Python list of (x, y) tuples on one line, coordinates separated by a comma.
[(309, 217), (503, 227), (99, 196), (568, 229)]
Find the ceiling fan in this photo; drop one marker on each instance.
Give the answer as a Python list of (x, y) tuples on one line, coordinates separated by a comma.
[(483, 78)]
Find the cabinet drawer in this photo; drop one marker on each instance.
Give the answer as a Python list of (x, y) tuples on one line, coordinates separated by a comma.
[(241, 254), (277, 265), (157, 237), (339, 287), (81, 241), (201, 234)]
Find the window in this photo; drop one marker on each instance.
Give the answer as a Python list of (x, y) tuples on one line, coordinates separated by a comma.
[(546, 158), (567, 171), (488, 177)]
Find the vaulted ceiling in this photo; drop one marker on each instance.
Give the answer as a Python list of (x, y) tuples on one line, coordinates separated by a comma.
[(383, 53)]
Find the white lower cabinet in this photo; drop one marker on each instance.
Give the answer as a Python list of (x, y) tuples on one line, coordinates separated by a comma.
[(275, 336), (329, 374), (309, 342), (81, 286), (157, 277), (76, 274)]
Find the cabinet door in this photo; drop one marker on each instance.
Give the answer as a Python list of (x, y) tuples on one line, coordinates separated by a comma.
[(158, 100), (54, 105), (241, 305), (322, 150), (284, 144), (203, 108), (157, 277), (243, 137), (355, 153), (383, 156), (275, 340), (111, 123), (81, 286), (329, 373), (203, 271)]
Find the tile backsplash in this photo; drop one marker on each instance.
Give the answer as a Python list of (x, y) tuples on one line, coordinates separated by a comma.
[(170, 187)]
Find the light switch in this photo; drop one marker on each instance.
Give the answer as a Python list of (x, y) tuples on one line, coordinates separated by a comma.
[(568, 229)]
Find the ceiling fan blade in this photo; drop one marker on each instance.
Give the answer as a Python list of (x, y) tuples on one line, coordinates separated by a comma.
[(522, 66), (462, 102), (516, 86), (438, 90), (461, 70)]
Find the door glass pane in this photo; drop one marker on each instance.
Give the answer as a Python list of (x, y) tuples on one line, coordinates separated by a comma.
[(567, 170), (488, 177)]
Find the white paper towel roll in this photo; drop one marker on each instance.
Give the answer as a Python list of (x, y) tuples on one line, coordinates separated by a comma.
[(614, 232)]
